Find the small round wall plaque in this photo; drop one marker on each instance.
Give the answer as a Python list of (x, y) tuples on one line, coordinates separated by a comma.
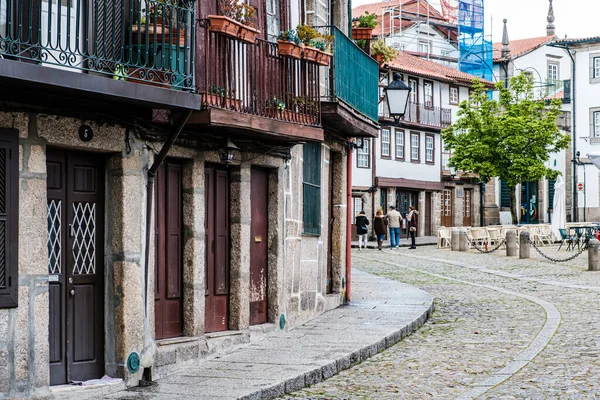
[(133, 362), (86, 133)]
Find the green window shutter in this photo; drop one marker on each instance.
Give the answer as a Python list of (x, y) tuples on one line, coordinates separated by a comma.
[(504, 195), (312, 188), (9, 212), (551, 183)]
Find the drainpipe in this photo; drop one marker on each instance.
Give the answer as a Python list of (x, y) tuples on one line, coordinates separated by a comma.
[(574, 137), (150, 195), (349, 224)]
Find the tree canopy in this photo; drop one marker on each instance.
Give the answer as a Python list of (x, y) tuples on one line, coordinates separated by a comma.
[(510, 138)]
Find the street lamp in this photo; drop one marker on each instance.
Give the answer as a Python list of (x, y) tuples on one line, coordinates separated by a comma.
[(594, 157), (227, 152), (397, 93)]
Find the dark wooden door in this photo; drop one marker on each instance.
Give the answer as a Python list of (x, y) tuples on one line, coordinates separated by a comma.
[(447, 207), (428, 212), (467, 207), (259, 200), (168, 291), (75, 187), (216, 225)]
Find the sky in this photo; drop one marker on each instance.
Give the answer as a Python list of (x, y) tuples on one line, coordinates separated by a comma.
[(527, 18)]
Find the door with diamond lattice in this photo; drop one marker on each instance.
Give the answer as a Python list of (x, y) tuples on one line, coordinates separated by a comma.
[(75, 186)]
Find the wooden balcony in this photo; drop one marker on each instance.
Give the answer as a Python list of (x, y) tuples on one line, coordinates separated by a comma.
[(250, 87)]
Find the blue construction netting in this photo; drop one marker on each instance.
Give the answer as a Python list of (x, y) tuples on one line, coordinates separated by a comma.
[(475, 51)]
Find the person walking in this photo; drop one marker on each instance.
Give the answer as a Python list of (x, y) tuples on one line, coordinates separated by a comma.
[(393, 220), (379, 227), (413, 220), (362, 223)]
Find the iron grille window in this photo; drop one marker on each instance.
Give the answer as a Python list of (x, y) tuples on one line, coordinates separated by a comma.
[(9, 211), (362, 155), (312, 188)]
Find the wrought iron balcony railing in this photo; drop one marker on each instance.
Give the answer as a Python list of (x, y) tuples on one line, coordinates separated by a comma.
[(424, 115), (146, 41), (252, 78)]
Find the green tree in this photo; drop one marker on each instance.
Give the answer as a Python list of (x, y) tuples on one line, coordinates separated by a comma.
[(509, 138)]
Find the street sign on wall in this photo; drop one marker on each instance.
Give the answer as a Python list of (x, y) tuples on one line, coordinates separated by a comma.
[(580, 187)]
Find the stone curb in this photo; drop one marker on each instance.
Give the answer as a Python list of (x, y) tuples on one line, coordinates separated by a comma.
[(347, 361)]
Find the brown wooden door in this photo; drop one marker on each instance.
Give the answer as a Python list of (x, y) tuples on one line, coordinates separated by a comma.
[(168, 291), (75, 187), (428, 213), (216, 225), (259, 200), (447, 207), (467, 207)]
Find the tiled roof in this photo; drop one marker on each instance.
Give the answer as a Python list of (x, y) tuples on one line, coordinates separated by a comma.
[(520, 47), (418, 66), (593, 39)]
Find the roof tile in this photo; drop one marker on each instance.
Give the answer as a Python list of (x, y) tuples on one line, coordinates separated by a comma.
[(520, 47)]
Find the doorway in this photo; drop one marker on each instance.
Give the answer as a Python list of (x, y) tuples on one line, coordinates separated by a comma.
[(168, 234), (428, 213), (447, 208), (467, 207), (216, 239), (529, 202), (259, 246), (75, 187)]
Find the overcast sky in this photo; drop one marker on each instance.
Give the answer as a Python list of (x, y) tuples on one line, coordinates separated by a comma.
[(527, 18)]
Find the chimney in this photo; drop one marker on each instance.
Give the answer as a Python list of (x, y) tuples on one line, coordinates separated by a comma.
[(505, 49), (550, 31)]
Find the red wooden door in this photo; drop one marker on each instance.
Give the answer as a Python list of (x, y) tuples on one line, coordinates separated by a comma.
[(168, 293), (467, 207), (447, 207), (75, 186), (216, 225), (259, 246)]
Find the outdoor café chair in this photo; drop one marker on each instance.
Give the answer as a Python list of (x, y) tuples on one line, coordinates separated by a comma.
[(565, 237)]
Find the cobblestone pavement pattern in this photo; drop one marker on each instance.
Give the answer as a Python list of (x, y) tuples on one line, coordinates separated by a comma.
[(493, 316)]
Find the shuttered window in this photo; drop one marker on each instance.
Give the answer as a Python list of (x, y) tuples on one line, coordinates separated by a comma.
[(312, 188), (504, 195), (9, 211), (551, 183)]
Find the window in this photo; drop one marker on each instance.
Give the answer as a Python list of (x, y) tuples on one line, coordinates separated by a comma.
[(273, 24), (414, 146), (553, 71), (399, 144), (429, 149), (424, 47), (357, 207), (385, 143), (9, 211), (596, 123), (383, 199), (363, 155), (504, 195), (594, 67), (454, 98), (428, 93), (312, 188), (414, 92)]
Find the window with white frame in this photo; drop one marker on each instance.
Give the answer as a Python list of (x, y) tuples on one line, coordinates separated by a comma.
[(424, 46), (429, 155), (357, 207), (363, 155), (385, 143), (596, 116), (273, 23), (454, 95), (414, 90), (553, 71), (428, 93), (414, 146), (596, 73), (399, 144)]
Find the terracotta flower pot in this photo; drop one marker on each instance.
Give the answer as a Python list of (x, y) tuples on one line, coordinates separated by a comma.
[(310, 54), (324, 58), (248, 34), (224, 25), (378, 58), (362, 33), (289, 49)]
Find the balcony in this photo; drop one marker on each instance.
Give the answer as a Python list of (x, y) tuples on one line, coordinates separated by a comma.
[(563, 121), (449, 172), (420, 114), (553, 89), (250, 86), (350, 88)]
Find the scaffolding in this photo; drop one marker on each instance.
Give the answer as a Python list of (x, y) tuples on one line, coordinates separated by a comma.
[(475, 51)]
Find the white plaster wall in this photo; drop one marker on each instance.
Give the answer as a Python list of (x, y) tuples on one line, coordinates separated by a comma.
[(362, 177), (408, 40)]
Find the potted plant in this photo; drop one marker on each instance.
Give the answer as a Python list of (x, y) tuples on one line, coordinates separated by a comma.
[(382, 52), (323, 43), (236, 20), (306, 110), (288, 44), (274, 107), (307, 34), (364, 28)]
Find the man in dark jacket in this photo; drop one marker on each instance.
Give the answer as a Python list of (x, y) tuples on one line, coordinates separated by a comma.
[(362, 223)]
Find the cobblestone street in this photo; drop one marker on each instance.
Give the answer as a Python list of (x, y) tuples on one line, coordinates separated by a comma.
[(502, 329)]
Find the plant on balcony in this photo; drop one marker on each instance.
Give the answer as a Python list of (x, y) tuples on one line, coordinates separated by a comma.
[(323, 44), (217, 97), (307, 34), (274, 107), (364, 28), (157, 28), (382, 52), (288, 44), (306, 109), (236, 20)]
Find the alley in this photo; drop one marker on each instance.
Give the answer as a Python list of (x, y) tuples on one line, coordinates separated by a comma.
[(502, 329)]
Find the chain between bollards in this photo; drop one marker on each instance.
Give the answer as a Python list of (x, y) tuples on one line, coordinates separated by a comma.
[(574, 256)]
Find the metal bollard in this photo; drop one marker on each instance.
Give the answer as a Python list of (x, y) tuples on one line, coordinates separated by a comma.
[(524, 245), (455, 240), (593, 255), (511, 243), (463, 242)]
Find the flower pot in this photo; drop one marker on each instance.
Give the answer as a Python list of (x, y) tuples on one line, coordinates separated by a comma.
[(223, 25), (248, 34), (310, 54), (378, 58), (323, 58), (159, 21), (216, 100), (289, 49), (362, 33)]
